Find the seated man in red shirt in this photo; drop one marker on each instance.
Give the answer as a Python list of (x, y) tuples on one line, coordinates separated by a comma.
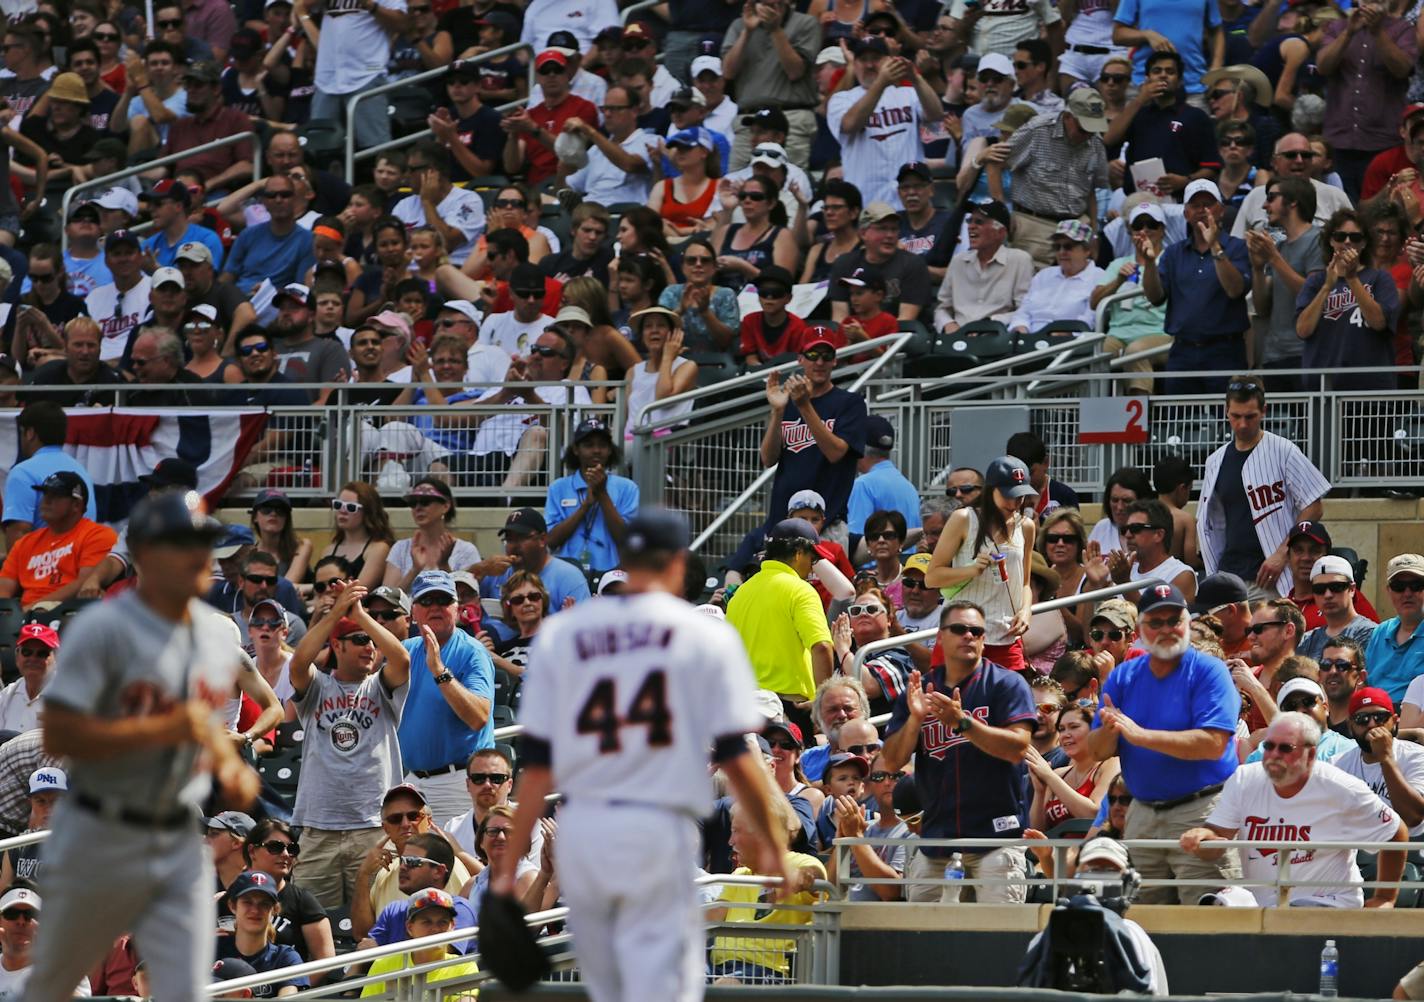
[(529, 148), (226, 167), (1307, 543)]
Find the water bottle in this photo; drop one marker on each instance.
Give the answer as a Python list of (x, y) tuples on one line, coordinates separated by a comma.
[(954, 869), (1330, 971), (307, 472)]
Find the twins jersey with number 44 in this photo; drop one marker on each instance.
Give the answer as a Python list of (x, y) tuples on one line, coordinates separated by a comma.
[(1279, 483)]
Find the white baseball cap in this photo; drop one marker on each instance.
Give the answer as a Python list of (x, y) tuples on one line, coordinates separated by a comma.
[(1332, 565), (768, 703), (831, 54), (1149, 209), (1105, 849), (995, 62), (165, 275), (705, 64), (771, 154), (463, 307), (47, 779), (1230, 897), (118, 198), (196, 252), (21, 897), (1295, 685), (610, 578), (806, 499), (1201, 186), (715, 611), (467, 579)]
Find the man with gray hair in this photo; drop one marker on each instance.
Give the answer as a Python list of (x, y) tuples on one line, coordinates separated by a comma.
[(838, 699), (157, 360), (934, 514), (1291, 796)]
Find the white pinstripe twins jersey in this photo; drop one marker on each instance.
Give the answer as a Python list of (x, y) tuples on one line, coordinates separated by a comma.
[(1279, 482)]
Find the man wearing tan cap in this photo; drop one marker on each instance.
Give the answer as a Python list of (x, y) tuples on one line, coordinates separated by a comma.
[(1395, 653)]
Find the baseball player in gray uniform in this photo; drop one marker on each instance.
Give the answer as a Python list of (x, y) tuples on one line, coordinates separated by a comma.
[(135, 706), (626, 700)]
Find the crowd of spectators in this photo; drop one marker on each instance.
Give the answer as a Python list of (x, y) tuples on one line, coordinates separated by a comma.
[(700, 185)]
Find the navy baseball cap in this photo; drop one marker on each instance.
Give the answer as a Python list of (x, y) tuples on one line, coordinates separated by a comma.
[(879, 432), (1216, 590), (591, 426), (655, 529), (524, 522), (65, 483), (428, 582), (120, 238), (1310, 530), (172, 472), (794, 528), (871, 44), (906, 797), (271, 495), (180, 518), (234, 538), (232, 968), (1160, 595), (252, 882), (1009, 476)]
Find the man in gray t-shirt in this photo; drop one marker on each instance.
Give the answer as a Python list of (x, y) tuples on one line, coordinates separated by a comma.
[(351, 755), (134, 707), (1281, 257)]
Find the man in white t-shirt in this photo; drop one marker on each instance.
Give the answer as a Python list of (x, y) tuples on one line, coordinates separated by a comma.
[(1149, 542), (17, 939), (1291, 797), (355, 46), (484, 362), (877, 122), (514, 331), (458, 213), (1393, 769), (34, 658)]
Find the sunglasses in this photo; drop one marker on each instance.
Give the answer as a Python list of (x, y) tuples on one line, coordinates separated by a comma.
[(699, 261), (399, 816), (1256, 629), (1114, 78), (1341, 236), (346, 507), (963, 491), (1303, 703), (423, 502), (19, 914), (321, 586), (888, 536), (753, 196), (262, 579), (1239, 142), (104, 36), (550, 70), (414, 861), (532, 597), (253, 348), (259, 624), (866, 609), (1217, 95), (773, 292), (1120, 800), (1060, 538), (1297, 155), (277, 194), (1146, 223), (913, 584), (510, 203), (819, 356), (880, 776), (785, 744), (1408, 584), (385, 615), (961, 629), (1336, 664), (431, 601), (33, 651), (358, 639), (1284, 747), (1049, 707), (529, 293), (545, 351), (1101, 635), (492, 778), (1162, 624), (1243, 386), (47, 277), (1133, 528), (1064, 245), (1333, 587), (496, 833), (171, 23), (279, 848), (1370, 719), (866, 749)]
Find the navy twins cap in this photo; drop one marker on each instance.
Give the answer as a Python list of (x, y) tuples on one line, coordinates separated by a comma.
[(1010, 477), (658, 529), (1160, 595)]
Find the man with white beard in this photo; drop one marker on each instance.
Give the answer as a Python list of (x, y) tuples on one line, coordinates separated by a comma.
[(1170, 717)]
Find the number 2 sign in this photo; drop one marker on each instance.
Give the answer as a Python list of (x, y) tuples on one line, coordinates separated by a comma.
[(1112, 420)]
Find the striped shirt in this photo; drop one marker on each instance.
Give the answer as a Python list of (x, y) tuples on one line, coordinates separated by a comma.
[(1052, 176)]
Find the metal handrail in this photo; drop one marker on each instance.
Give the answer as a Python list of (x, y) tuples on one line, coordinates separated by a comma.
[(108, 180), (982, 375), (863, 654), (418, 78), (1100, 312)]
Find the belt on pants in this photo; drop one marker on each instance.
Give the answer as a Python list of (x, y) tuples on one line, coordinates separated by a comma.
[(1091, 50), (159, 820), (1044, 215), (1166, 805), (440, 771)]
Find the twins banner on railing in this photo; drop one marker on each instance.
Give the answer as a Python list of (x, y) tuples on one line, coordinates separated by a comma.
[(118, 445)]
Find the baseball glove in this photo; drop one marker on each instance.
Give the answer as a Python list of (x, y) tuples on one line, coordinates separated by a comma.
[(508, 948)]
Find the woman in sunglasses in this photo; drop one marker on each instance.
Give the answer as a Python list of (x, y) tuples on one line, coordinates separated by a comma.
[(884, 539), (744, 249), (1135, 324), (1350, 312), (326, 576), (302, 924), (431, 546), (870, 617), (506, 212), (710, 319), (362, 532), (1077, 789), (524, 602), (271, 520), (267, 634), (1062, 539), (536, 886), (685, 202)]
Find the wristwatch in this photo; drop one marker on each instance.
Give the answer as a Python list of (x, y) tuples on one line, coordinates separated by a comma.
[(965, 722), (444, 677), (1218, 254)]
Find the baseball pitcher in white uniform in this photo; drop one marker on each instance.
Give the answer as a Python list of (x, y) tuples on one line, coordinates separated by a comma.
[(1255, 489), (625, 700), (135, 706)]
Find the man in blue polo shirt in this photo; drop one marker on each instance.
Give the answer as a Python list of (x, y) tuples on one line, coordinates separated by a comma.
[(587, 509), (526, 548), (1159, 123), (968, 727), (880, 486), (42, 426), (1395, 652), (1203, 280), (1170, 716), (447, 714)]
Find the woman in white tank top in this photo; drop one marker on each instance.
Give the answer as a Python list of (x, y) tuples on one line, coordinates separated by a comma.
[(982, 558)]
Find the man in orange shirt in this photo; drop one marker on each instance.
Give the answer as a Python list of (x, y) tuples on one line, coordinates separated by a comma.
[(47, 565)]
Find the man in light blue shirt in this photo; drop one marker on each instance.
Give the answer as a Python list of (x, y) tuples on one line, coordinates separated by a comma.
[(171, 201), (447, 715), (1395, 654), (42, 426), (526, 544), (880, 486), (1188, 26), (1304, 695), (587, 509)]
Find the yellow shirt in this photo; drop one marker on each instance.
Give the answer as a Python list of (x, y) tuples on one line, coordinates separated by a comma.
[(780, 618), (764, 951), (390, 965), (385, 889)]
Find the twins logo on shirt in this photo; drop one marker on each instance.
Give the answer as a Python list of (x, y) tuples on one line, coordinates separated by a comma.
[(797, 437), (1265, 499), (345, 716), (1279, 830), (114, 326), (937, 738), (1339, 302)]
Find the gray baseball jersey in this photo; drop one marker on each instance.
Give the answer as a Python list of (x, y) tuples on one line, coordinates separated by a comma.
[(122, 659), (350, 756)]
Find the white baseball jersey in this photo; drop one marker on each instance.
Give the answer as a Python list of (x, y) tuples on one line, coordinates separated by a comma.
[(462, 209), (630, 692), (1279, 482), (117, 315), (890, 139)]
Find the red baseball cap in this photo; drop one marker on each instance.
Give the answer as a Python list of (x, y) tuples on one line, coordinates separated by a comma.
[(550, 56), (1369, 696), (1410, 111), (345, 627), (38, 631), (818, 335)]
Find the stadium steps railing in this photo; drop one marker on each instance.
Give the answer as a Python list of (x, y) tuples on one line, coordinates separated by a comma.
[(108, 180), (352, 155)]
